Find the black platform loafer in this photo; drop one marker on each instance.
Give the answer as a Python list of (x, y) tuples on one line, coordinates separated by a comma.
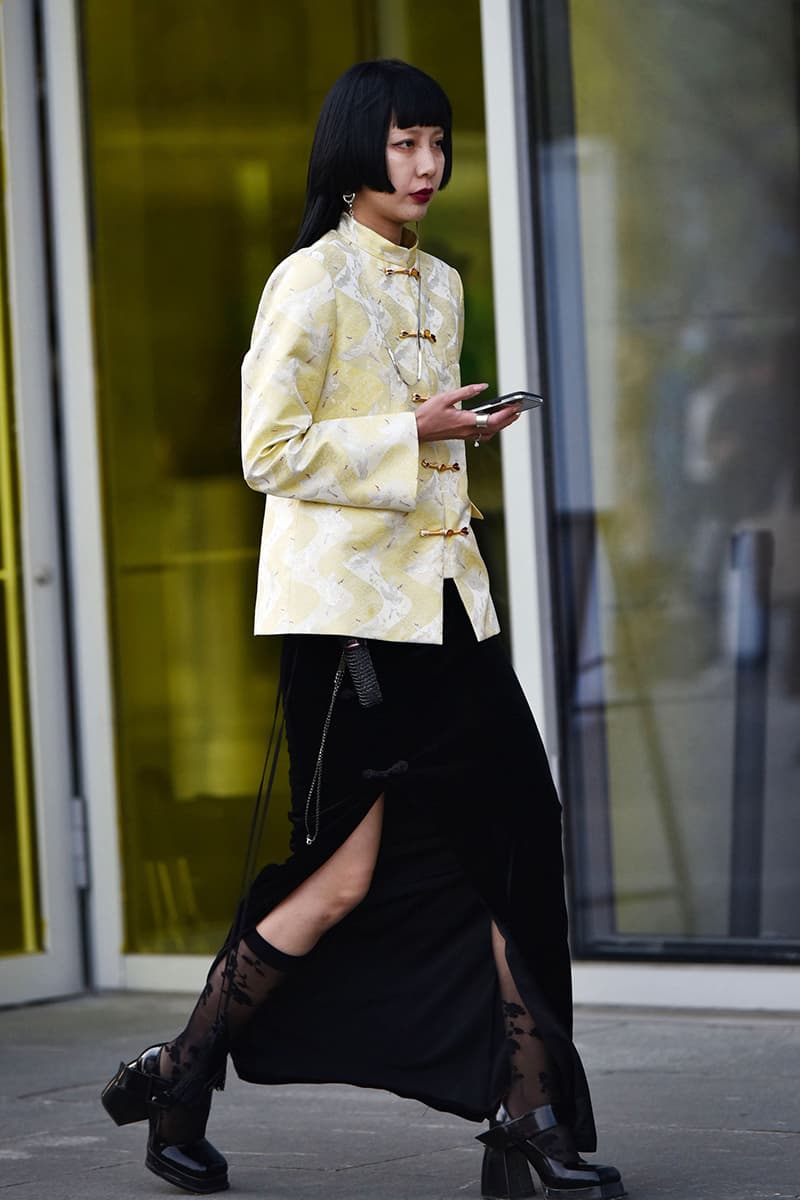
[(177, 1149), (194, 1166), (540, 1141)]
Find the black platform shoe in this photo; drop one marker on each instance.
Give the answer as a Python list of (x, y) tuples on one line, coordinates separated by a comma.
[(137, 1092), (538, 1140), (194, 1165)]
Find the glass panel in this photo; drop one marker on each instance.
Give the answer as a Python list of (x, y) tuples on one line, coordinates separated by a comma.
[(20, 916), (668, 169), (200, 121)]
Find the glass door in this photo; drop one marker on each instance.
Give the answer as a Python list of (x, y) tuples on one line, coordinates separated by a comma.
[(667, 162), (40, 949)]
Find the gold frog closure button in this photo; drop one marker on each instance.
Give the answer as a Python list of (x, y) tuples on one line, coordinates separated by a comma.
[(445, 533), (423, 333), (441, 466)]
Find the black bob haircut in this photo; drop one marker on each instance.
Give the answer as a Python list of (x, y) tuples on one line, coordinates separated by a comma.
[(349, 148)]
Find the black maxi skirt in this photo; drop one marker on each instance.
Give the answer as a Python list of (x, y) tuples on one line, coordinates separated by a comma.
[(402, 994)]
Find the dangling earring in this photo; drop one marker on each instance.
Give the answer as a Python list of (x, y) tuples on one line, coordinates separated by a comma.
[(348, 198)]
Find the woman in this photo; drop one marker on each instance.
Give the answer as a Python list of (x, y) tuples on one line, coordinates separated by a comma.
[(415, 939)]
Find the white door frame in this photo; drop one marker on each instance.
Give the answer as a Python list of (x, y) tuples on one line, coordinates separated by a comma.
[(513, 272), (57, 970), (83, 497)]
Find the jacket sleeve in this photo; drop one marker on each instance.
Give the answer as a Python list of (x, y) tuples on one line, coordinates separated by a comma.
[(458, 288), (367, 461)]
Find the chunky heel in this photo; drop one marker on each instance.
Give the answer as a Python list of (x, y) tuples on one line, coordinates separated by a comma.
[(541, 1142), (119, 1103), (505, 1175), (125, 1096)]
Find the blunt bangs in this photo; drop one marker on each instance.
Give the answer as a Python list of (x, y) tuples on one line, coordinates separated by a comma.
[(416, 99), (355, 121), (349, 147)]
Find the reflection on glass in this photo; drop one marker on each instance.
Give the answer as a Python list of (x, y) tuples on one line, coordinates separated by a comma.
[(672, 170), (20, 916), (200, 119)]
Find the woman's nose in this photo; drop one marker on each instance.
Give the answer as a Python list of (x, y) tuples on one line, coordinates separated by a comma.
[(426, 162)]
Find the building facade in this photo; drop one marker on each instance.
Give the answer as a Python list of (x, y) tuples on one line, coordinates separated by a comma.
[(623, 211)]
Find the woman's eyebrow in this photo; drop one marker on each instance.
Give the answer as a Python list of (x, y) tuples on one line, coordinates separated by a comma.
[(416, 128)]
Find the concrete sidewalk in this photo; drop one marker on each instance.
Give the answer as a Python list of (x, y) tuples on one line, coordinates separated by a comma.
[(701, 1107)]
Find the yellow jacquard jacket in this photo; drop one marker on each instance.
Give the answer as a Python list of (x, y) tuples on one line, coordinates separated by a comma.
[(362, 522)]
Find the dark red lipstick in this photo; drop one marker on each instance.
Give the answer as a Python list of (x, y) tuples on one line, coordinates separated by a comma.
[(422, 196)]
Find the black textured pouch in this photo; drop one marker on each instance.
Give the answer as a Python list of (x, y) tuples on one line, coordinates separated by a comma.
[(362, 672)]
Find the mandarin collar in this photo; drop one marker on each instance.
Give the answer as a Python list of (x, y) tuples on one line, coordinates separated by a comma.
[(377, 245)]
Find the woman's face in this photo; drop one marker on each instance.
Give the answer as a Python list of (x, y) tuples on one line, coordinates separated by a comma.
[(415, 165)]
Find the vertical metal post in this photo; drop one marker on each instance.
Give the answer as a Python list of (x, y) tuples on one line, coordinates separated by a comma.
[(69, 207), (752, 554)]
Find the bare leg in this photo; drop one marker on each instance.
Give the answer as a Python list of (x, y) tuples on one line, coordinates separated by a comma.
[(298, 922), (531, 1078)]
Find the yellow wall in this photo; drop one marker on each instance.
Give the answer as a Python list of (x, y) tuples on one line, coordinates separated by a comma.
[(20, 922)]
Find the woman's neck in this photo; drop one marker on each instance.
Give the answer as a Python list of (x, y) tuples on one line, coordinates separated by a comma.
[(393, 231)]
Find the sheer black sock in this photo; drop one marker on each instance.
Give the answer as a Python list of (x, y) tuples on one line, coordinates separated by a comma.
[(237, 985), (531, 1074), (532, 1082)]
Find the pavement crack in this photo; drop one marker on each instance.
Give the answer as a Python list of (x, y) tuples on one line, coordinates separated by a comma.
[(68, 1087), (380, 1162), (344, 1167)]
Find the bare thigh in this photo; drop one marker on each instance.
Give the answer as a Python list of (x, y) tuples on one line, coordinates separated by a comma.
[(321, 901)]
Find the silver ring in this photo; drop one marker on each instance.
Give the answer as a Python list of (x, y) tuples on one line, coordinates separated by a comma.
[(481, 422)]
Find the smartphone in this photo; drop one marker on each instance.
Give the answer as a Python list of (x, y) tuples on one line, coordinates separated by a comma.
[(525, 399)]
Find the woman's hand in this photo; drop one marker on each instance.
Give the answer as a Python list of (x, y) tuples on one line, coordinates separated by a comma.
[(438, 419)]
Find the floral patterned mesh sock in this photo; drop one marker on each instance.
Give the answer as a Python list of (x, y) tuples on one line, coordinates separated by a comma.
[(237, 985), (532, 1083)]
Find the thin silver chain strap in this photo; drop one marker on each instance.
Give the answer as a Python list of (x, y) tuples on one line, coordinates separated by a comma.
[(315, 791)]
